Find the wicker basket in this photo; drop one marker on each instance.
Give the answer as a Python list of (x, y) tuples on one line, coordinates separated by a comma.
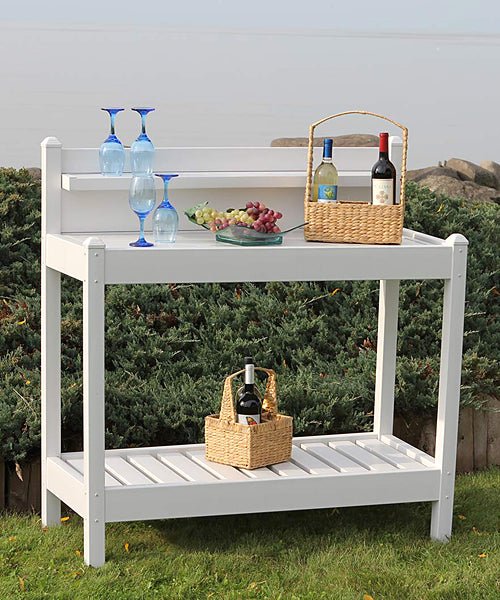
[(353, 222), (249, 446)]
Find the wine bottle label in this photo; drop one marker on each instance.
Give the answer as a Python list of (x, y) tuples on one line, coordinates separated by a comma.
[(249, 419), (327, 193), (382, 191)]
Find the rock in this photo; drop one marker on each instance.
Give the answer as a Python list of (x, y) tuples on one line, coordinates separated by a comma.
[(418, 174), (35, 172), (353, 140), (494, 168), (456, 188), (475, 173)]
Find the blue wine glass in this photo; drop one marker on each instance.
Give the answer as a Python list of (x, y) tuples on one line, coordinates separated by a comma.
[(142, 198), (142, 152), (165, 218), (111, 152)]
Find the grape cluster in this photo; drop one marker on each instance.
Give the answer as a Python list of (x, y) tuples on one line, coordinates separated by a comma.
[(264, 219), (255, 215)]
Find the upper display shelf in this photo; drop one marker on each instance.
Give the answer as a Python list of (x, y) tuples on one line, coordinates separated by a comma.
[(190, 180)]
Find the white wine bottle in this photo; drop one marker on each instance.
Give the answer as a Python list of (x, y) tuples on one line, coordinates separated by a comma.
[(326, 177)]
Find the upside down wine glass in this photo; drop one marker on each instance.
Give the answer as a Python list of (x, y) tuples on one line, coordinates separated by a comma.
[(142, 198), (142, 152), (111, 152), (165, 218)]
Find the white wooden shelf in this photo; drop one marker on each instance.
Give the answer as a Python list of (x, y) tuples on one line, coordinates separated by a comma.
[(86, 236), (140, 482), (91, 182)]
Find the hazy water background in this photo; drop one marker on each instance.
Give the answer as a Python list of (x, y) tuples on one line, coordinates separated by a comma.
[(217, 86)]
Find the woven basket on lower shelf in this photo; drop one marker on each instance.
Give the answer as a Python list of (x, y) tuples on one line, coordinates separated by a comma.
[(249, 446), (353, 222)]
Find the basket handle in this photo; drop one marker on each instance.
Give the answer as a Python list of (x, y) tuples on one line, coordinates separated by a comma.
[(270, 402), (307, 196)]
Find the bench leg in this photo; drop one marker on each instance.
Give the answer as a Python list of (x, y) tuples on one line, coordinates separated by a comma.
[(93, 403), (51, 387), (449, 390)]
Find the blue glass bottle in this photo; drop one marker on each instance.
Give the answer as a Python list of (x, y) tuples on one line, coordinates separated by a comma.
[(111, 152), (165, 217), (142, 152)]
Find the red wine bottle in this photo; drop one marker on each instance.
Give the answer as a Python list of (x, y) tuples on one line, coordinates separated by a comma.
[(384, 175), (249, 405)]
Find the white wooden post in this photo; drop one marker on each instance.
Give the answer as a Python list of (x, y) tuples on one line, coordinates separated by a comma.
[(383, 412), (449, 388), (93, 403), (51, 327)]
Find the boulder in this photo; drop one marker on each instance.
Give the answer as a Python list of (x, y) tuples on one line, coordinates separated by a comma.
[(494, 168), (352, 140), (456, 188), (468, 170), (418, 174), (35, 172)]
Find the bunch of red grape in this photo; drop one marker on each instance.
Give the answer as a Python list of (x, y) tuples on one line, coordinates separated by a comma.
[(255, 215), (265, 219)]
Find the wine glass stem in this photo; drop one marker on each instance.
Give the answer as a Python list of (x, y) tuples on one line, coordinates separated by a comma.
[(141, 222), (165, 194), (112, 115), (143, 116)]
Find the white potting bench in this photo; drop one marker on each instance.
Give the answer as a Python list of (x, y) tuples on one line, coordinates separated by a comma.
[(87, 226)]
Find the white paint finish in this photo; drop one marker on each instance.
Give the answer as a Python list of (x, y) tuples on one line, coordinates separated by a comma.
[(294, 260), (386, 357), (65, 483), (190, 180), (409, 450), (310, 463), (153, 468), (125, 472), (263, 473), (449, 388), (50, 328), (396, 157), (77, 464), (324, 439), (93, 402), (330, 456), (65, 256), (288, 469), (390, 455), (278, 494), (173, 160), (186, 467), (51, 387), (220, 471), (362, 457)]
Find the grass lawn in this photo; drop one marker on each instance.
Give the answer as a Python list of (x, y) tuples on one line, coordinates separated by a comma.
[(382, 553)]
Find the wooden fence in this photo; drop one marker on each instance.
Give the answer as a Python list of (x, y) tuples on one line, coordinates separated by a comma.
[(478, 448)]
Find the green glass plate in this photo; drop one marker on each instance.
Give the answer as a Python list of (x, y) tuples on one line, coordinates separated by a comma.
[(246, 236)]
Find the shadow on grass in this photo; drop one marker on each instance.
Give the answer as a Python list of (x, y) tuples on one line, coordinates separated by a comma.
[(476, 496)]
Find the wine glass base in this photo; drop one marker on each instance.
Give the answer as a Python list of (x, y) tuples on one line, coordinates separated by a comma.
[(141, 243)]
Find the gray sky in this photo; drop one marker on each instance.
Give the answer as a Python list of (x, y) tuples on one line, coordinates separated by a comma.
[(456, 16)]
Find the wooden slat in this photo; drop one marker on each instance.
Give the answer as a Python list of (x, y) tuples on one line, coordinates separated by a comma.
[(363, 457), (186, 467), (288, 469), (390, 455), (335, 459), (77, 463), (154, 469), (125, 472), (262, 473), (310, 463), (224, 472), (409, 450)]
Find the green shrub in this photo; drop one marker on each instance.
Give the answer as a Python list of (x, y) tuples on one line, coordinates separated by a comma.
[(168, 347)]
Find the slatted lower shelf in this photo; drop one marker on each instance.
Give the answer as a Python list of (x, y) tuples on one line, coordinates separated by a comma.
[(324, 471)]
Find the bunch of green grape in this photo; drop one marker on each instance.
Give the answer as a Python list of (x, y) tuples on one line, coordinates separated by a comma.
[(216, 220)]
